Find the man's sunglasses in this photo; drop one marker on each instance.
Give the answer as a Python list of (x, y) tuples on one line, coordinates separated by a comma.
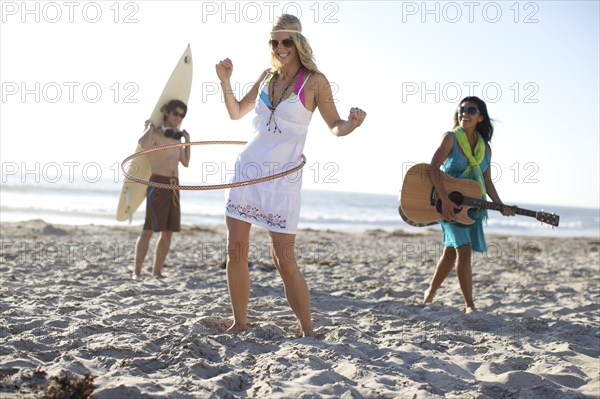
[(174, 134), (287, 43), (468, 110)]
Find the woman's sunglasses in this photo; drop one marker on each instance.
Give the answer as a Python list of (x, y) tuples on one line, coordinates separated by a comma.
[(178, 114), (287, 43), (468, 110)]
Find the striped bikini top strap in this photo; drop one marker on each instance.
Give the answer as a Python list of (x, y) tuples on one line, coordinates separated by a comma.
[(297, 89), (266, 79)]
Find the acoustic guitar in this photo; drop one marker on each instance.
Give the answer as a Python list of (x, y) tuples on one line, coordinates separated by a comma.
[(420, 204)]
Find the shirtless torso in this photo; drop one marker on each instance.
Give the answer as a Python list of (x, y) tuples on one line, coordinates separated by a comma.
[(165, 162)]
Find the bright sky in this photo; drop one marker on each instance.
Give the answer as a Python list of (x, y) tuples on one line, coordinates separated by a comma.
[(80, 77)]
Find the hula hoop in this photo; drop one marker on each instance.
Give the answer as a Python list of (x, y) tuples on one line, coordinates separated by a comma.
[(209, 187)]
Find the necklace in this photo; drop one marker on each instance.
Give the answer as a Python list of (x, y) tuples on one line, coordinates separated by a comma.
[(275, 105)]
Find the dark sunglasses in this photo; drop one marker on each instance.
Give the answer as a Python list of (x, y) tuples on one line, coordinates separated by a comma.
[(177, 113), (174, 134), (287, 43), (468, 110)]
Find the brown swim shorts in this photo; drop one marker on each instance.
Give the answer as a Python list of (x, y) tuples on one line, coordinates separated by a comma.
[(162, 206)]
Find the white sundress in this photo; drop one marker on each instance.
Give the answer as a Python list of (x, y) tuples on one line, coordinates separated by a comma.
[(275, 147)]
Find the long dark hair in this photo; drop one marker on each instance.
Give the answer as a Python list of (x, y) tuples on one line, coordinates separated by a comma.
[(486, 126)]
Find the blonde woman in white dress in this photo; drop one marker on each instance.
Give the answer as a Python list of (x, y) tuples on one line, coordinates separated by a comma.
[(284, 99)]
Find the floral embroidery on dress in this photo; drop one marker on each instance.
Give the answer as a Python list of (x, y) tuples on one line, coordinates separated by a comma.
[(252, 212)]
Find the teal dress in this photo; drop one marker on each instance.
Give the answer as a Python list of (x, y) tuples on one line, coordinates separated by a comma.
[(457, 234)]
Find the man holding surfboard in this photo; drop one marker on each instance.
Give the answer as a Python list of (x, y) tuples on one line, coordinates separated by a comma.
[(162, 205)]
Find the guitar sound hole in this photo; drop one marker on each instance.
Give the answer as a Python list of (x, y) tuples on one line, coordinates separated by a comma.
[(455, 197)]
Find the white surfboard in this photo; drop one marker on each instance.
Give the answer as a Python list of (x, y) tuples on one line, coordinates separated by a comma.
[(178, 87)]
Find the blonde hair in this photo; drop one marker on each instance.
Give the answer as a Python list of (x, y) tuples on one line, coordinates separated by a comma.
[(305, 53)]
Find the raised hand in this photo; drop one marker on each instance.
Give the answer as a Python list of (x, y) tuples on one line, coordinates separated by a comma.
[(224, 69), (357, 116), (186, 135)]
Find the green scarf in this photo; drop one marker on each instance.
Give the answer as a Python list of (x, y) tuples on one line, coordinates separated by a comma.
[(473, 171)]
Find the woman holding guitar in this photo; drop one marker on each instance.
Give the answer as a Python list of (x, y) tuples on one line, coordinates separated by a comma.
[(464, 153)]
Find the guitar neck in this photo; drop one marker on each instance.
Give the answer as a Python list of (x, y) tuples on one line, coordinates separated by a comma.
[(482, 204)]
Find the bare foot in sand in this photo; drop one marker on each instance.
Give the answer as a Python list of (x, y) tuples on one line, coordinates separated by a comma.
[(159, 276), (300, 334), (308, 332), (136, 276), (468, 309), (237, 328), (428, 296)]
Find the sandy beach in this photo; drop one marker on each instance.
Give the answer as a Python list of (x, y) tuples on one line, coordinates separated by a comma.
[(72, 318)]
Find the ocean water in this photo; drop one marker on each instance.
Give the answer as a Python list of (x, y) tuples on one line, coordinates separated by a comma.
[(82, 202)]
